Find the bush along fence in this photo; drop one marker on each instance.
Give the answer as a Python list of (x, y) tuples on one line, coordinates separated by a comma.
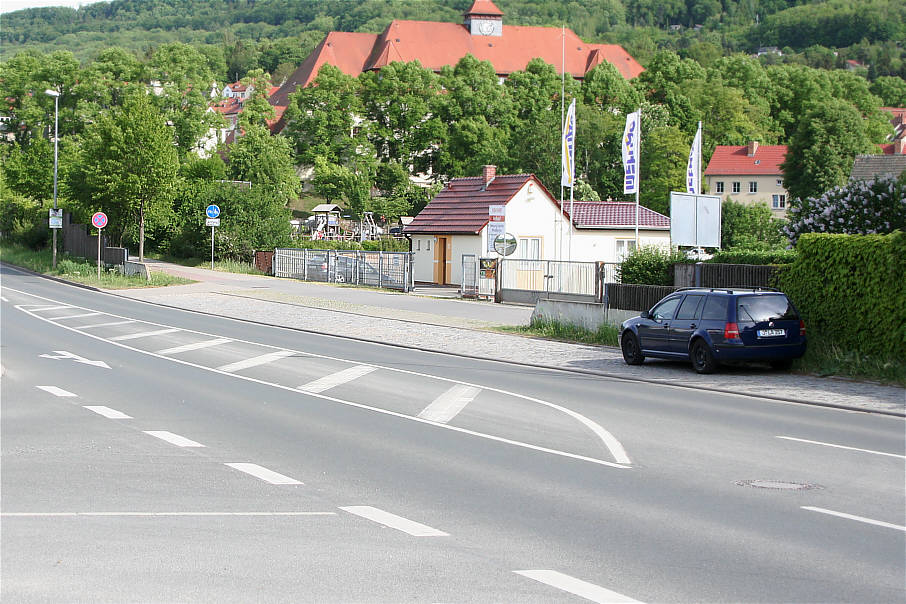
[(851, 290)]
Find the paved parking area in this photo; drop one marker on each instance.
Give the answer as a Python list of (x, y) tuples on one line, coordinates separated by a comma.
[(460, 327)]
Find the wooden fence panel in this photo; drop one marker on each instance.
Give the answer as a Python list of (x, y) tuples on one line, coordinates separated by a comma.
[(635, 297)]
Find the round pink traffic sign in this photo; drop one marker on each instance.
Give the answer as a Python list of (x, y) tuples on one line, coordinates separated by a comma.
[(99, 220)]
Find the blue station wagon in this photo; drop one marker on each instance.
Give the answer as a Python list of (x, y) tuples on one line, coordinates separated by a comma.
[(712, 326)]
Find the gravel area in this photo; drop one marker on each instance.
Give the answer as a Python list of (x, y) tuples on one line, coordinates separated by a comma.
[(468, 336)]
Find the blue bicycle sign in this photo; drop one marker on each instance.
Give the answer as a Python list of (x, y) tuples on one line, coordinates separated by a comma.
[(212, 211)]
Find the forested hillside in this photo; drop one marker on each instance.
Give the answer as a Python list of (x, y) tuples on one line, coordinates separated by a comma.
[(269, 33)]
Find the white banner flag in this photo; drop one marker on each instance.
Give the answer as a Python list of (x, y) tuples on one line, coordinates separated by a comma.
[(630, 147), (568, 145), (694, 165)]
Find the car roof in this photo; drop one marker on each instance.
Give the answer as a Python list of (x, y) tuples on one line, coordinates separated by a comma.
[(729, 290)]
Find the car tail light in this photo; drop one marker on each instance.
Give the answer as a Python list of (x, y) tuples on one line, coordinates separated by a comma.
[(801, 328), (731, 331)]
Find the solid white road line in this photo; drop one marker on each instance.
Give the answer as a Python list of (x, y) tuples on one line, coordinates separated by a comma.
[(195, 346), (4, 299), (144, 334), (107, 412), (416, 529), (335, 379), (448, 405), (173, 439), (111, 323), (44, 514), (816, 442), (256, 361), (84, 314), (56, 391), (856, 518), (577, 587), (263, 473)]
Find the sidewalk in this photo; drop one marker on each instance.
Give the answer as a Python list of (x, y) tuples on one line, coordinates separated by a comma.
[(445, 324)]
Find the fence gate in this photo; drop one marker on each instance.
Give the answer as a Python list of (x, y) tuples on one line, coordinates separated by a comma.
[(469, 287), (391, 270)]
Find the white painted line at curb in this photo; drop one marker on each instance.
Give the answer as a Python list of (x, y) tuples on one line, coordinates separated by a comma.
[(448, 405), (336, 379), (156, 514), (107, 412), (144, 334), (852, 517), (56, 391), (416, 529), (577, 587), (173, 439), (256, 361), (195, 346), (109, 324), (817, 442), (263, 473)]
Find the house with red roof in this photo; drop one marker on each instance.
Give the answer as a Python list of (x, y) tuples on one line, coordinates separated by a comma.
[(483, 34), (455, 226), (749, 174)]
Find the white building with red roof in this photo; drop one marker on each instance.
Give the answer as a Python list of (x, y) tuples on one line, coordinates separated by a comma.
[(749, 174), (508, 48), (454, 225)]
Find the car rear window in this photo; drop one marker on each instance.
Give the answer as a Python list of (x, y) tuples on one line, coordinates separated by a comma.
[(764, 308), (715, 308)]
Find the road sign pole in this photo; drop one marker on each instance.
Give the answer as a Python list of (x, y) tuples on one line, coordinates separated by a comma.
[(99, 254), (212, 248)]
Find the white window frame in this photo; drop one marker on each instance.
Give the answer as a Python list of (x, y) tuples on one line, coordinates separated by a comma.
[(624, 247), (719, 186), (528, 248), (753, 186), (737, 186), (778, 201)]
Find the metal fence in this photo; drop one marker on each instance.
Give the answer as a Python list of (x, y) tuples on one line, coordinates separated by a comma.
[(529, 280), (392, 270)]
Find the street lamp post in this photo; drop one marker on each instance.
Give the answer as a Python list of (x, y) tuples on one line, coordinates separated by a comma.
[(56, 138)]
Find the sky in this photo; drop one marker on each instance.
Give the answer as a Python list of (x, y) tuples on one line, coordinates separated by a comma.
[(7, 6)]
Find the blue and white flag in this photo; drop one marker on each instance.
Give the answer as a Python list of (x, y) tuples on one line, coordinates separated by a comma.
[(694, 165), (630, 147), (568, 144)]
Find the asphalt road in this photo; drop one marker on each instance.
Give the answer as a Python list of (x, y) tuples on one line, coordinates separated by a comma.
[(217, 460)]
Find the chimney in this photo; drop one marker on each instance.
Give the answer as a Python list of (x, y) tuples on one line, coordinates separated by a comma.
[(488, 173), (752, 148), (899, 146)]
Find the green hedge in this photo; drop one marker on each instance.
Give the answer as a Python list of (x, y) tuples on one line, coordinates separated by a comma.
[(743, 256), (851, 290), (388, 244)]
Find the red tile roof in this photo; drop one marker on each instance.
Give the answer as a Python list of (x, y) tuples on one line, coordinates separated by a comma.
[(732, 160), (614, 214), (462, 206), (484, 7), (436, 45)]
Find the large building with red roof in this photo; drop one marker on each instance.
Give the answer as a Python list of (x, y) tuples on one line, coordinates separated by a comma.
[(455, 226), (508, 48), (749, 174)]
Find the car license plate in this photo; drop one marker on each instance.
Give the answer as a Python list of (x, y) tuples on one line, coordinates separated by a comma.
[(771, 333)]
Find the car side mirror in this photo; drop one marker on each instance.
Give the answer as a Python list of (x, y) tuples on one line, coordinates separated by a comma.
[(645, 315)]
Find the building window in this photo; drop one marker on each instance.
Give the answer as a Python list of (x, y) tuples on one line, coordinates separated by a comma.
[(753, 186), (428, 244), (529, 248), (719, 185), (778, 202), (418, 245), (736, 186), (779, 182), (624, 248)]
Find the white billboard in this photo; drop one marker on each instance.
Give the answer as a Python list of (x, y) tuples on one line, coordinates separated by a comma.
[(694, 219)]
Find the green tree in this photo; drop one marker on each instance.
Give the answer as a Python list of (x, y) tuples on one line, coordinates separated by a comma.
[(128, 167), (750, 226), (265, 161), (891, 90), (665, 154), (820, 155), (256, 110), (29, 169)]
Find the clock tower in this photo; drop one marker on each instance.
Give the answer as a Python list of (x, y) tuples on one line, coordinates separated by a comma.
[(484, 19)]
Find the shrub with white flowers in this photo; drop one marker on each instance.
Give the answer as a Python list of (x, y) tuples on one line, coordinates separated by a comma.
[(861, 207)]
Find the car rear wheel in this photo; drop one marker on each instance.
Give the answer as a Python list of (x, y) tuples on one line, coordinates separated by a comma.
[(632, 353), (702, 358)]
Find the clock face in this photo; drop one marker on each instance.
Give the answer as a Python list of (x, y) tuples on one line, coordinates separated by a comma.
[(485, 27)]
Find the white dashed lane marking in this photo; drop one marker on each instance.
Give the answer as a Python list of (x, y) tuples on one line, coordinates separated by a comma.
[(84, 314), (335, 379), (107, 412), (56, 391), (416, 529), (816, 442), (108, 324), (195, 346), (450, 403), (144, 334), (263, 359), (577, 587), (853, 517), (173, 439), (263, 473)]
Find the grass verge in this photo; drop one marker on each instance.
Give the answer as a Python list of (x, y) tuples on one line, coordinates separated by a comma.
[(226, 266), (80, 270), (606, 335), (825, 358)]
